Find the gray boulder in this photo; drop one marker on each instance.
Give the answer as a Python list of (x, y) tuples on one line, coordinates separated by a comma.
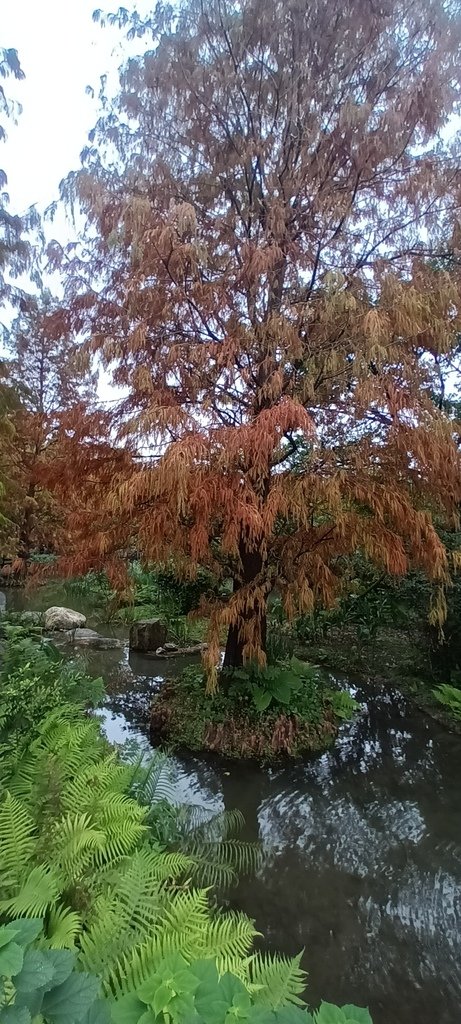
[(147, 635), (63, 618), (30, 618)]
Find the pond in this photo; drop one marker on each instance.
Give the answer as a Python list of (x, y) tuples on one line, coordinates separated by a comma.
[(362, 844)]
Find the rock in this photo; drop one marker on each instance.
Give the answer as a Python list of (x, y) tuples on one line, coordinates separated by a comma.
[(101, 643), (147, 635), (80, 635), (63, 618), (179, 652), (170, 646), (2, 602), (90, 638), (32, 618)]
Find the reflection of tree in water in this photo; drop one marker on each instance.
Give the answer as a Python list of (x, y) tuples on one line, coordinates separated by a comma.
[(364, 865)]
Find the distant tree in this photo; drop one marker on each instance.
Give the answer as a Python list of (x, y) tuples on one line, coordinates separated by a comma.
[(49, 380), (263, 196)]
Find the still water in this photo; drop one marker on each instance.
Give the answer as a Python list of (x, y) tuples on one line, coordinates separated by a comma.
[(362, 848)]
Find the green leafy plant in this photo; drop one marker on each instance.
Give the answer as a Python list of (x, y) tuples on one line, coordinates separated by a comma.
[(43, 984), (450, 697), (75, 850), (35, 679), (217, 856), (276, 684), (177, 992), (343, 704)]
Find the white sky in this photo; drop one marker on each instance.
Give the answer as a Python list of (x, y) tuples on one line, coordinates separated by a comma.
[(61, 52)]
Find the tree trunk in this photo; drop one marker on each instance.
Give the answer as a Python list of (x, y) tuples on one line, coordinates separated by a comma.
[(252, 564), (25, 536)]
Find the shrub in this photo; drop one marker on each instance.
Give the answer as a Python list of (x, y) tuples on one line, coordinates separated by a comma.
[(34, 680)]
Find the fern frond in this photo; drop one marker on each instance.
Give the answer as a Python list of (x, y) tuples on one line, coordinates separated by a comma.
[(17, 839), (152, 783), (84, 789), (64, 926), (220, 863), (122, 837), (74, 844), (39, 891), (278, 980), (227, 935), (198, 825), (187, 911)]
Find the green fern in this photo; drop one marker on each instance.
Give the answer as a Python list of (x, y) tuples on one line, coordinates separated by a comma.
[(63, 928), (277, 980), (74, 844), (38, 891), (17, 839), (74, 849)]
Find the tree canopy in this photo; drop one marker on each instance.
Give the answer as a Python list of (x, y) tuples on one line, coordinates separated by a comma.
[(263, 196)]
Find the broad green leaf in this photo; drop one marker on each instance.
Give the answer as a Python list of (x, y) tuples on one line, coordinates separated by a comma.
[(16, 1015), (27, 929), (210, 1001), (162, 998), (283, 693), (63, 961), (8, 932), (148, 1018), (261, 698), (11, 960), (293, 1015), (127, 1010), (99, 1013), (68, 1002), (356, 1014), (37, 971), (328, 1013)]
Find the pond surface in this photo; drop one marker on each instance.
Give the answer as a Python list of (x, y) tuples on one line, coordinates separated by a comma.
[(363, 847)]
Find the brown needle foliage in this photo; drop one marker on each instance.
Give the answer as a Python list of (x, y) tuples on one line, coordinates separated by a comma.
[(264, 195)]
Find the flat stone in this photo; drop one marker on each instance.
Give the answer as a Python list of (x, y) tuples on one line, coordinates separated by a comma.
[(147, 635), (80, 635), (170, 646), (101, 643), (57, 618)]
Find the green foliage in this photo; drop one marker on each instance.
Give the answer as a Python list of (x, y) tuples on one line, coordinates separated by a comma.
[(343, 704), (450, 697), (217, 856), (35, 679), (179, 992), (277, 684), (93, 589), (293, 685), (43, 984)]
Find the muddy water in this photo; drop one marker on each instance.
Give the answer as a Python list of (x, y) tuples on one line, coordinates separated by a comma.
[(363, 848)]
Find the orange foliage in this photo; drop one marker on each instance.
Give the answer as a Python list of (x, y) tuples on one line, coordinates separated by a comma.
[(266, 300)]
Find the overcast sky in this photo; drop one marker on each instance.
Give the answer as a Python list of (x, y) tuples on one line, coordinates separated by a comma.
[(61, 51)]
